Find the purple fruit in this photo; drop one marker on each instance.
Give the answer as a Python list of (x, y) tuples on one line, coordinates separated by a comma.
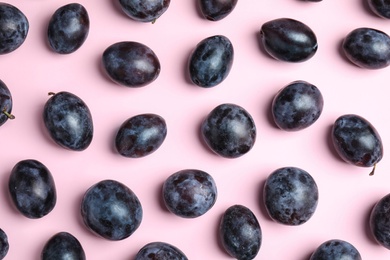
[(5, 103), (288, 40), (189, 193), (160, 251), (32, 189), (144, 10), (215, 10), (380, 221), (68, 28), (380, 7), (63, 245), (4, 244), (131, 64), (111, 210), (336, 249), (240, 232), (14, 27)]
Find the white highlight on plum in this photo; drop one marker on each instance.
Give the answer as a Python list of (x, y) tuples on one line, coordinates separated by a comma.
[(304, 102), (238, 128), (119, 210), (247, 231), (39, 189), (368, 141), (148, 133), (380, 47), (299, 37), (73, 121), (73, 25), (143, 65)]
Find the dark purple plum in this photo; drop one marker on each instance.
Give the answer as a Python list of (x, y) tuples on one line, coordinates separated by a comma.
[(288, 40), (68, 121), (68, 28), (140, 135), (336, 249), (229, 131), (290, 196), (367, 48), (313, 0), (63, 245), (4, 244), (297, 106), (5, 103), (240, 232), (380, 7), (32, 189), (189, 193), (144, 10), (357, 141), (160, 251), (131, 64), (14, 28), (211, 61), (111, 210), (215, 10), (379, 222)]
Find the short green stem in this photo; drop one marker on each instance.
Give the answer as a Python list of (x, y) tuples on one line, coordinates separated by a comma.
[(10, 116), (373, 170)]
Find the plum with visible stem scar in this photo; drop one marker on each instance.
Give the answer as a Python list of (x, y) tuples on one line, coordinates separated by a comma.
[(5, 103)]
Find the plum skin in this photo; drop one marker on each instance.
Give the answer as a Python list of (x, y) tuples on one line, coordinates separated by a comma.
[(229, 130)]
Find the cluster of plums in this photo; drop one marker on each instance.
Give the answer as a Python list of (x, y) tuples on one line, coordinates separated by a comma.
[(111, 210)]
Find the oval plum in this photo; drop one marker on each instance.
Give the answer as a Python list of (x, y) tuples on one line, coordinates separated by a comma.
[(131, 64), (68, 28), (32, 189), (63, 245)]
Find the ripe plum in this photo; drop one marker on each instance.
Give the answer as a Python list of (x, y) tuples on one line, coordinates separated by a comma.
[(290, 196), (160, 251), (140, 135), (144, 10), (5, 103), (215, 10), (14, 27), (297, 106), (68, 121), (367, 48), (4, 244), (131, 64), (229, 130), (240, 232), (288, 40), (211, 61), (336, 249), (68, 28), (380, 221), (357, 141), (63, 245), (32, 189), (111, 210), (189, 193)]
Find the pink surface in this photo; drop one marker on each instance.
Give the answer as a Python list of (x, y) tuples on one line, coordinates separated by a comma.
[(347, 193)]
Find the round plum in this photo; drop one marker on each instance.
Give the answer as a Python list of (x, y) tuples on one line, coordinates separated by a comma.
[(189, 193), (160, 251), (336, 249), (63, 245)]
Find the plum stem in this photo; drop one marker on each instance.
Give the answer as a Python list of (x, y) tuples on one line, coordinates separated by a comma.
[(51, 93), (10, 116), (154, 21), (373, 170)]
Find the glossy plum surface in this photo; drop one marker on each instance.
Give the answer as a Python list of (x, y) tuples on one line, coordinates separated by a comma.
[(240, 232), (290, 196), (297, 106), (189, 193), (229, 130), (380, 221), (367, 48), (5, 103), (140, 135), (357, 141), (211, 61), (131, 64), (68, 28), (144, 10), (32, 189), (111, 210), (215, 10), (4, 244), (14, 27), (63, 246), (68, 121), (336, 249), (160, 251), (288, 40), (380, 7)]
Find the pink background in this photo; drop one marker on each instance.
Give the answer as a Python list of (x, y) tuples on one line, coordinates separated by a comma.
[(347, 193)]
